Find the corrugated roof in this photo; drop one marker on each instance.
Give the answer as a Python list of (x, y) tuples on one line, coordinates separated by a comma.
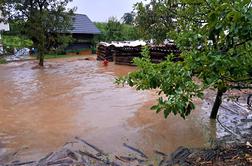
[(82, 24)]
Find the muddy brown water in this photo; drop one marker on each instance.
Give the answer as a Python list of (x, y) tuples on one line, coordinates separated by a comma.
[(42, 109)]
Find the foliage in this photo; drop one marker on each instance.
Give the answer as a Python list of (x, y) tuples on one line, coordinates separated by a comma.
[(113, 30), (102, 27), (53, 56), (39, 20), (116, 31), (128, 18), (130, 32), (16, 42), (16, 27), (156, 18), (57, 43), (3, 60), (174, 83), (215, 40)]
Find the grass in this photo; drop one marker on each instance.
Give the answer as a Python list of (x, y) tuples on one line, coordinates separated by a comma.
[(3, 61), (53, 56)]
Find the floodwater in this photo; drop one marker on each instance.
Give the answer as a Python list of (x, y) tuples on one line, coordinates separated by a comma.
[(42, 109)]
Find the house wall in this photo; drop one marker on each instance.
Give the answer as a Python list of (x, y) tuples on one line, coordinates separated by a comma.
[(3, 27), (82, 45)]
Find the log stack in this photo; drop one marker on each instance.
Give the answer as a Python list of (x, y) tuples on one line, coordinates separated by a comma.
[(104, 51), (160, 53), (124, 54)]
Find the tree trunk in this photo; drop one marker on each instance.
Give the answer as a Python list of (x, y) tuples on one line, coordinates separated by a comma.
[(217, 103), (41, 59)]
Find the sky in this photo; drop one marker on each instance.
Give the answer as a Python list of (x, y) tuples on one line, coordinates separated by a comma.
[(101, 10)]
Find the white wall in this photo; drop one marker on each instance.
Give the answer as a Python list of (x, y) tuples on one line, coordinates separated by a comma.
[(1, 46), (3, 27)]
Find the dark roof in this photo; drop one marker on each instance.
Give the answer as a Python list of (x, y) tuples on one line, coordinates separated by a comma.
[(82, 24)]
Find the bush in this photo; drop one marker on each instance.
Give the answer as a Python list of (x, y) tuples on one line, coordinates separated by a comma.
[(2, 60)]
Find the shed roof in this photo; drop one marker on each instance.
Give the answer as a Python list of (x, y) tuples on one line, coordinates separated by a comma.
[(83, 25)]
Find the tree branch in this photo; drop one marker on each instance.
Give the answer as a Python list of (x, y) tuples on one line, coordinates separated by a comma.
[(240, 87), (247, 40)]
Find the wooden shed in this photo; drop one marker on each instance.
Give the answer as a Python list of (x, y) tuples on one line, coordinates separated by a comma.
[(83, 32)]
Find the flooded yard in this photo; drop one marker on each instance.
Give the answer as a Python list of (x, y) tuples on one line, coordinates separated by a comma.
[(42, 109)]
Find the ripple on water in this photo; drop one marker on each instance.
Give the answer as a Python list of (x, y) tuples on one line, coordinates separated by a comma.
[(44, 108)]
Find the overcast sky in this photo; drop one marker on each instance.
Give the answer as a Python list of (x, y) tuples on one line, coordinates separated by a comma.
[(101, 10)]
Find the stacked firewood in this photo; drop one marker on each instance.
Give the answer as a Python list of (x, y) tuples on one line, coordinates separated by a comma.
[(105, 52), (124, 55), (160, 53)]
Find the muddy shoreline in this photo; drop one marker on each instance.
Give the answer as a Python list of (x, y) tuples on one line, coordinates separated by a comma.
[(239, 154)]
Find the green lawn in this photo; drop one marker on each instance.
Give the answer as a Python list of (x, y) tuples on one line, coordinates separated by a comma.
[(2, 61), (52, 56)]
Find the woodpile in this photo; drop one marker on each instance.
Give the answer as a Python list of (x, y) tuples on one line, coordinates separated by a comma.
[(124, 55), (160, 53), (105, 52)]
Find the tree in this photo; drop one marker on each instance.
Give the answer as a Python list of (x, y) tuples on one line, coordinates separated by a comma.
[(15, 42), (124, 32), (215, 38), (113, 30), (156, 18), (102, 27), (39, 20), (128, 18), (130, 32)]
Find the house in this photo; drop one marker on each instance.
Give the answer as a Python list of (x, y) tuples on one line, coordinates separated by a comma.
[(3, 27), (83, 32)]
